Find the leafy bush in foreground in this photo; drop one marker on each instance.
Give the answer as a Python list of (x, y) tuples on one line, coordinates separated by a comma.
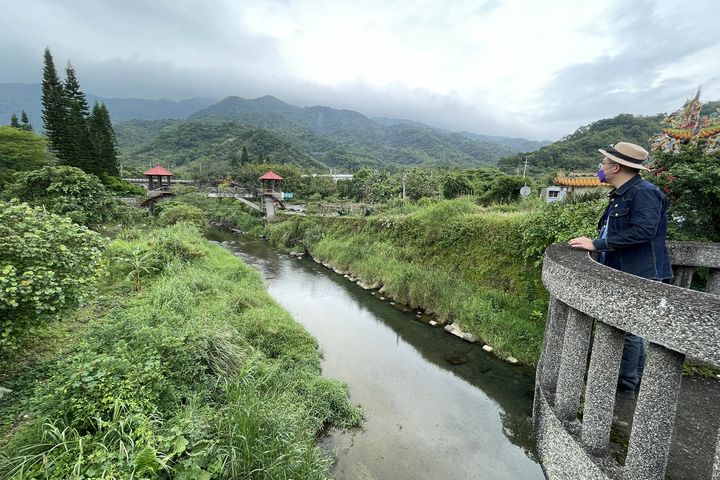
[(65, 191), (47, 264)]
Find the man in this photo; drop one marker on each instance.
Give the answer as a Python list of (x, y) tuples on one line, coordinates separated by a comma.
[(631, 239)]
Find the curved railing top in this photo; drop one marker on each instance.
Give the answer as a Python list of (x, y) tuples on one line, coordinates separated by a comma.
[(679, 319)]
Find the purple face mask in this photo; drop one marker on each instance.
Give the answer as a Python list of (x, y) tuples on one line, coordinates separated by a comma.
[(601, 175)]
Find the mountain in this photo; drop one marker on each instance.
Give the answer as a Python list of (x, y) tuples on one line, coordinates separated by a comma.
[(186, 145), (16, 97), (579, 151), (519, 144), (348, 139)]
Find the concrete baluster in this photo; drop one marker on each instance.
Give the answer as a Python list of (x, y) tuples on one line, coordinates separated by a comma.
[(573, 363), (683, 276), (601, 385), (713, 282), (654, 417), (716, 465), (552, 350)]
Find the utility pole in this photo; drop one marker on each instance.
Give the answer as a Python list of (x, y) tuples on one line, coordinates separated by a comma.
[(404, 179), (525, 170)]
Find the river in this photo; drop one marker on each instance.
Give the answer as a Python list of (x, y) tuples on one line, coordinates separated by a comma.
[(436, 407)]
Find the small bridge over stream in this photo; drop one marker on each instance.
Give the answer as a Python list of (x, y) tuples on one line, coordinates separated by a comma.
[(591, 308), (244, 198)]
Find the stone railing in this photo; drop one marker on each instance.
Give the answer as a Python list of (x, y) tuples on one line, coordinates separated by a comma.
[(591, 308)]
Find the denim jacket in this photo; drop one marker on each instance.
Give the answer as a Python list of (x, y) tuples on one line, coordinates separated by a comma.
[(637, 225)]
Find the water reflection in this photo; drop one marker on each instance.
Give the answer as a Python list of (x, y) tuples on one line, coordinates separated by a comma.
[(436, 406)]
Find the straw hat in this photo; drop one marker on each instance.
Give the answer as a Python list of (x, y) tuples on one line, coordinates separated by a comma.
[(627, 154)]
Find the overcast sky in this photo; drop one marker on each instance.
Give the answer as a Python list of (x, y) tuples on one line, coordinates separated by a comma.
[(537, 69)]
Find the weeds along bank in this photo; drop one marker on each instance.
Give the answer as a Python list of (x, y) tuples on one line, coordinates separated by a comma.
[(477, 268), (191, 370), (226, 211)]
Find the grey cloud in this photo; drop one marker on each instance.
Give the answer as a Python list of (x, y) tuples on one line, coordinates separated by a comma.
[(628, 81), (112, 46)]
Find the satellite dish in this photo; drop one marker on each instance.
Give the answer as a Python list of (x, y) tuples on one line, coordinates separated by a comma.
[(525, 191)]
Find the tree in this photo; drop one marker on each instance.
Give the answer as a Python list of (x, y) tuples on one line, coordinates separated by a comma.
[(456, 184), (244, 157), (234, 160), (502, 189), (53, 106), (691, 180), (14, 121), (20, 150), (47, 265), (26, 125), (65, 191), (421, 183), (102, 138), (79, 149)]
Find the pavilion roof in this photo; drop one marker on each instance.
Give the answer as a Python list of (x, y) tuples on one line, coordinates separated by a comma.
[(270, 175), (158, 170)]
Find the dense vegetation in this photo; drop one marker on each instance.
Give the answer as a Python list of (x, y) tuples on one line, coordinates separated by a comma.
[(579, 151), (20, 150), (65, 191), (691, 180), (47, 265), (188, 204), (314, 137), (201, 376)]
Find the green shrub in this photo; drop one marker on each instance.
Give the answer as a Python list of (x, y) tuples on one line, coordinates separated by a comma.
[(182, 213), (47, 264), (65, 191), (560, 222), (121, 187)]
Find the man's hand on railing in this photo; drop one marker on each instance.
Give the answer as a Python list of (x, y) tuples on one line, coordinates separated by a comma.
[(582, 243)]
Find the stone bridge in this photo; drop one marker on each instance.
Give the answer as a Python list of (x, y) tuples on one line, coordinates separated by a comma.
[(591, 307)]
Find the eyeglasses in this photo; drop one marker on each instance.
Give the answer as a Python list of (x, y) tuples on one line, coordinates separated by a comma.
[(600, 165)]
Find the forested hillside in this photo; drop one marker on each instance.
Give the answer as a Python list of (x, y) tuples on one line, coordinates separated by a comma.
[(316, 137), (205, 145), (579, 151)]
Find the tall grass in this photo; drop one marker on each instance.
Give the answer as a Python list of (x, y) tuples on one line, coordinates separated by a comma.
[(199, 375)]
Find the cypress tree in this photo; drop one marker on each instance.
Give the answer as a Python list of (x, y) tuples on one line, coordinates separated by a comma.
[(111, 164), (244, 158), (79, 148), (103, 141), (234, 160), (53, 106), (14, 121), (26, 125)]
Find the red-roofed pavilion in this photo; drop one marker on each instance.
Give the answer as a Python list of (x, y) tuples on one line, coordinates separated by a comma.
[(271, 183), (158, 177)]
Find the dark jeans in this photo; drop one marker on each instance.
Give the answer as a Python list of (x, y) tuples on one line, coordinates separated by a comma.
[(632, 364)]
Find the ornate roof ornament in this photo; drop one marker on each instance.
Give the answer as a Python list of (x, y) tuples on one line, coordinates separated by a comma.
[(687, 127)]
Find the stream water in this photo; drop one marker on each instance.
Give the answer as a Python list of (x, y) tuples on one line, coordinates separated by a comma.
[(436, 407)]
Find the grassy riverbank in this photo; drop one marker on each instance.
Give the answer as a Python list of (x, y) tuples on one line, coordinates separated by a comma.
[(199, 374), (226, 211), (451, 258)]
